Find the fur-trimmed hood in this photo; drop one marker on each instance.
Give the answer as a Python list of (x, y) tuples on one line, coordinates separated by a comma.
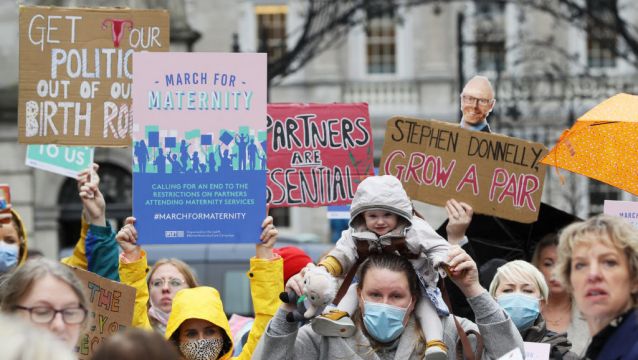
[(383, 192)]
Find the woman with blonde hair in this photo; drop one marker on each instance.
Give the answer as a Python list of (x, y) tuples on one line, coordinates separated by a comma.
[(520, 289), (598, 264), (163, 281)]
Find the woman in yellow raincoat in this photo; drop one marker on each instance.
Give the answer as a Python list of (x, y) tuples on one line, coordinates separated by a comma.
[(197, 324), (91, 252)]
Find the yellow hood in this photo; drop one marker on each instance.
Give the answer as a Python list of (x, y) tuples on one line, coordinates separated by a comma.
[(203, 303), (23, 230)]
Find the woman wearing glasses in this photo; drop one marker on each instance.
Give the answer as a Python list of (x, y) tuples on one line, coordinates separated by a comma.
[(165, 279), (192, 316), (49, 295)]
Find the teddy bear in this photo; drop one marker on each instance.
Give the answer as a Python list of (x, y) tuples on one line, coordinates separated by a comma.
[(319, 289)]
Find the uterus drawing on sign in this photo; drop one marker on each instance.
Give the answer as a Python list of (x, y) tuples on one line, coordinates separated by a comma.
[(117, 29)]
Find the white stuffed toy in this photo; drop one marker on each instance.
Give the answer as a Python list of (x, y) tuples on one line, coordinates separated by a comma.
[(319, 289)]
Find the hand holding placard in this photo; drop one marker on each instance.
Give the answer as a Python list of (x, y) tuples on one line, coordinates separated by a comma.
[(127, 239), (92, 199), (459, 217)]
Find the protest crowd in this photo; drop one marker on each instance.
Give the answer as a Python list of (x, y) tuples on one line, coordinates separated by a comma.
[(392, 286)]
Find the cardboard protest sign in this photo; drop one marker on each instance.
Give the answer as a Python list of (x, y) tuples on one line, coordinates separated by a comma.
[(63, 160), (625, 209), (76, 70), (317, 153), (198, 154), (111, 310), (437, 161)]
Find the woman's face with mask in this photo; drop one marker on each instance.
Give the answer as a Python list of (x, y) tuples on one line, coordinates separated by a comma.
[(200, 340), (386, 303), (9, 247), (521, 299)]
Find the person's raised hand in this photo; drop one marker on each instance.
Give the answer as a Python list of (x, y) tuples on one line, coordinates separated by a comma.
[(268, 239), (127, 239), (89, 175), (94, 205), (459, 217), (463, 272)]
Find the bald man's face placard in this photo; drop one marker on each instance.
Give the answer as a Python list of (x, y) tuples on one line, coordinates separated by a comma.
[(477, 101)]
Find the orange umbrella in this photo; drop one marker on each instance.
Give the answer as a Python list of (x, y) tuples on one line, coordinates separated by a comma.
[(603, 144)]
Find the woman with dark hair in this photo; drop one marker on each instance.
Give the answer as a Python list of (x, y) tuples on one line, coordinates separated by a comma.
[(560, 313), (388, 292)]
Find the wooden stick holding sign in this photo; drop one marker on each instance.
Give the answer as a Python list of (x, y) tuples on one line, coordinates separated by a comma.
[(437, 161)]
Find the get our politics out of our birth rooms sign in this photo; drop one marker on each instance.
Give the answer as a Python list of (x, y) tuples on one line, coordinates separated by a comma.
[(198, 121)]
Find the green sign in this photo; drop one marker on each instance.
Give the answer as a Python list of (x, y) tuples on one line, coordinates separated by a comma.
[(63, 160)]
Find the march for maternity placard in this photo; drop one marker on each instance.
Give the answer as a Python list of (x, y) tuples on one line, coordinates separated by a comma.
[(199, 172), (76, 70), (437, 161)]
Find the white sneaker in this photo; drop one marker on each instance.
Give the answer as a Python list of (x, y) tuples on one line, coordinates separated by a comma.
[(435, 353), (334, 323)]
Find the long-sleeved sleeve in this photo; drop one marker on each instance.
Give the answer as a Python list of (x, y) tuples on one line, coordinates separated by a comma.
[(284, 340), (500, 336), (266, 282), (344, 252), (134, 274), (78, 258), (102, 252)]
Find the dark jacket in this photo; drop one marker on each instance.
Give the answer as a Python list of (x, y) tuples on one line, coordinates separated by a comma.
[(559, 345), (617, 341)]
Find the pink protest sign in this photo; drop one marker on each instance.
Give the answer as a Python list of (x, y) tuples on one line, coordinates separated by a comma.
[(317, 153), (627, 210)]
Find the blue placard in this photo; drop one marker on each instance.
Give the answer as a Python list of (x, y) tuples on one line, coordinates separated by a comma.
[(153, 139), (170, 142), (226, 138), (206, 139)]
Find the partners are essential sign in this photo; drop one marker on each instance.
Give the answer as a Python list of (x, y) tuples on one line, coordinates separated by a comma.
[(76, 71), (437, 161), (317, 153), (199, 161), (111, 310)]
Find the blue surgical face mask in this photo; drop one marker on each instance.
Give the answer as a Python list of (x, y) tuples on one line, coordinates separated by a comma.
[(383, 322), (523, 309), (8, 256)]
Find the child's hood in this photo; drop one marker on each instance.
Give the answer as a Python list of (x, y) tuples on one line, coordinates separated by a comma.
[(380, 193)]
